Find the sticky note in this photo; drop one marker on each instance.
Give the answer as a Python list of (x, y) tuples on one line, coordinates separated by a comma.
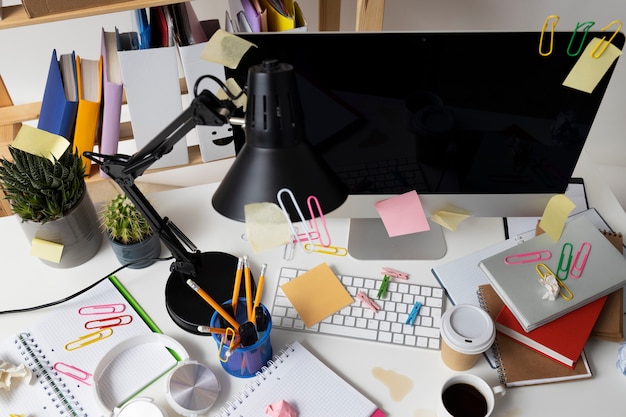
[(266, 226), (44, 249), (226, 49), (449, 219), (555, 215), (588, 71), (40, 143), (402, 214), (317, 294)]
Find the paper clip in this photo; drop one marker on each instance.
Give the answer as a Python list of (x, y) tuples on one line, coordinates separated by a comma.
[(313, 221), (566, 256), (89, 338), (327, 250), (109, 322), (579, 264), (72, 372), (230, 334), (394, 273), (522, 258), (413, 314), (585, 26), (382, 291), (555, 20), (544, 272), (297, 207), (101, 309), (368, 302), (595, 54)]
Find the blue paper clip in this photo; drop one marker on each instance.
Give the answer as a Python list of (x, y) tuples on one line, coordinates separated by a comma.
[(579, 264), (564, 261), (413, 314), (382, 291)]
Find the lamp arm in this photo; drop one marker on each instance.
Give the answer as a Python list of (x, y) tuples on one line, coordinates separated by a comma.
[(205, 109)]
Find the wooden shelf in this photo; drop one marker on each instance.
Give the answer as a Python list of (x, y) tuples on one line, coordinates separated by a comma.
[(15, 16)]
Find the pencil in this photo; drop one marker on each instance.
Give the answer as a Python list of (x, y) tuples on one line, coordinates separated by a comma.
[(259, 290), (206, 297), (235, 298), (246, 270)]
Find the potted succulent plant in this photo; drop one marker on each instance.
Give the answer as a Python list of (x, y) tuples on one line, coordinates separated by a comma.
[(50, 197), (131, 237)]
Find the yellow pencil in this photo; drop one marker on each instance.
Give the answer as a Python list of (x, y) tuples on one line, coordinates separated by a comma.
[(206, 297), (259, 290), (246, 270), (237, 285)]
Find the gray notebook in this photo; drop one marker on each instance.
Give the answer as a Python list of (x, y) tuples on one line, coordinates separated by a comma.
[(518, 285)]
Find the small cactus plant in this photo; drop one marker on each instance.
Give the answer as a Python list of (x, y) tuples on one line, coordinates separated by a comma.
[(123, 222)]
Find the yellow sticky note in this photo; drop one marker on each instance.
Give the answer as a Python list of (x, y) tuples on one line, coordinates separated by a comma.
[(449, 219), (588, 71), (555, 215), (317, 294), (44, 249), (226, 49), (266, 226), (39, 142)]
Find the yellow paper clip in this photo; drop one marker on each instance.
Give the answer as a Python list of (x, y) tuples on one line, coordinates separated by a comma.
[(585, 30), (230, 335), (89, 338), (554, 19), (595, 54), (544, 272), (326, 250)]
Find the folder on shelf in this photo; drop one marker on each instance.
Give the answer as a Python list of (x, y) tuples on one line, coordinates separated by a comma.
[(60, 97), (89, 75), (112, 90), (282, 15)]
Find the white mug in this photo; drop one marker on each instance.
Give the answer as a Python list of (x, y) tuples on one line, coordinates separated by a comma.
[(466, 395)]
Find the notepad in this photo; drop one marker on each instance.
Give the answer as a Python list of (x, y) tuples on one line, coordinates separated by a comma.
[(62, 357), (306, 383)]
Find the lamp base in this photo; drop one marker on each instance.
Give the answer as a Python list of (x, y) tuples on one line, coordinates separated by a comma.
[(216, 276)]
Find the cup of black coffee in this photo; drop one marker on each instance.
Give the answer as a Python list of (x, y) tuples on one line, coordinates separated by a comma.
[(466, 395)]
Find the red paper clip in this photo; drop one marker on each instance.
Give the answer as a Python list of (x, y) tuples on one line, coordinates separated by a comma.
[(579, 263), (522, 258)]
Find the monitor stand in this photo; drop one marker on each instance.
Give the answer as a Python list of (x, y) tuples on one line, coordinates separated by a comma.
[(368, 240)]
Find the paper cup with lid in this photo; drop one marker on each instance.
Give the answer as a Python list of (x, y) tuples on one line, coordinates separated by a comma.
[(467, 331)]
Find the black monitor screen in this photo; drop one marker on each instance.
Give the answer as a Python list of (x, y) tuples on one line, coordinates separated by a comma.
[(439, 112)]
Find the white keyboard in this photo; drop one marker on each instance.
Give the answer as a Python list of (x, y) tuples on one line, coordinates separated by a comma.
[(360, 322)]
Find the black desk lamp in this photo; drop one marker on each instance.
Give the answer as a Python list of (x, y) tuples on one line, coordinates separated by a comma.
[(276, 155)]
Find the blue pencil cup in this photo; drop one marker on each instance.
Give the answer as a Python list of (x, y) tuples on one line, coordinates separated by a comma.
[(244, 362)]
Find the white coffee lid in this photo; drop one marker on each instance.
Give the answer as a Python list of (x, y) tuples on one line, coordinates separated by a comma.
[(467, 329)]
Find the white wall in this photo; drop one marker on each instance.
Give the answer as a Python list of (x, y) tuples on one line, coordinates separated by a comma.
[(25, 52)]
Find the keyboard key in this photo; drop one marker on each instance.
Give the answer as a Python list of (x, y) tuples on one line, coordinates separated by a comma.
[(348, 331)]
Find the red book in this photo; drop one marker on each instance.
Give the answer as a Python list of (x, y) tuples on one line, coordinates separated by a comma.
[(562, 339)]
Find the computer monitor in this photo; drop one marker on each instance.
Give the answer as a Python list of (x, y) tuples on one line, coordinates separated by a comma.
[(478, 122)]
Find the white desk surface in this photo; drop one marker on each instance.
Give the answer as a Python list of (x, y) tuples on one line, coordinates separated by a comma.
[(26, 281)]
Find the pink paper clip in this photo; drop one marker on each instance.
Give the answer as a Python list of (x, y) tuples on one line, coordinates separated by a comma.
[(579, 264), (522, 258), (72, 372), (101, 309), (313, 221), (367, 301), (393, 273)]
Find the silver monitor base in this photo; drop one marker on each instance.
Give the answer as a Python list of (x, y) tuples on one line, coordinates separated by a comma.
[(368, 240)]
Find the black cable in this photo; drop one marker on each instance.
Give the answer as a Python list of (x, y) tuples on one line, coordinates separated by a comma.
[(219, 82), (53, 303)]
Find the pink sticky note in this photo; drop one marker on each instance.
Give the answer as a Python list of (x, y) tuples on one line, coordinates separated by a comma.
[(403, 214)]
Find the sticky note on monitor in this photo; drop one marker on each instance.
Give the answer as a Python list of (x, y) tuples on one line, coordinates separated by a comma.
[(588, 71), (403, 214)]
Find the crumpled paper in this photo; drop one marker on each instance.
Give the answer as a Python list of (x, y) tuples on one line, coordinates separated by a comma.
[(8, 372), (280, 409), (551, 285)]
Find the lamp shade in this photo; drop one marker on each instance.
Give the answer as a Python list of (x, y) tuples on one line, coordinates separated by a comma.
[(276, 154)]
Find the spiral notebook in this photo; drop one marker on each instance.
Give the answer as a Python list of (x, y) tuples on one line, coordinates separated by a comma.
[(298, 377), (64, 348), (519, 365)]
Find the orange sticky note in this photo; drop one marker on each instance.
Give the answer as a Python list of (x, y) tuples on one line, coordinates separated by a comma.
[(555, 215), (317, 294), (402, 214)]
